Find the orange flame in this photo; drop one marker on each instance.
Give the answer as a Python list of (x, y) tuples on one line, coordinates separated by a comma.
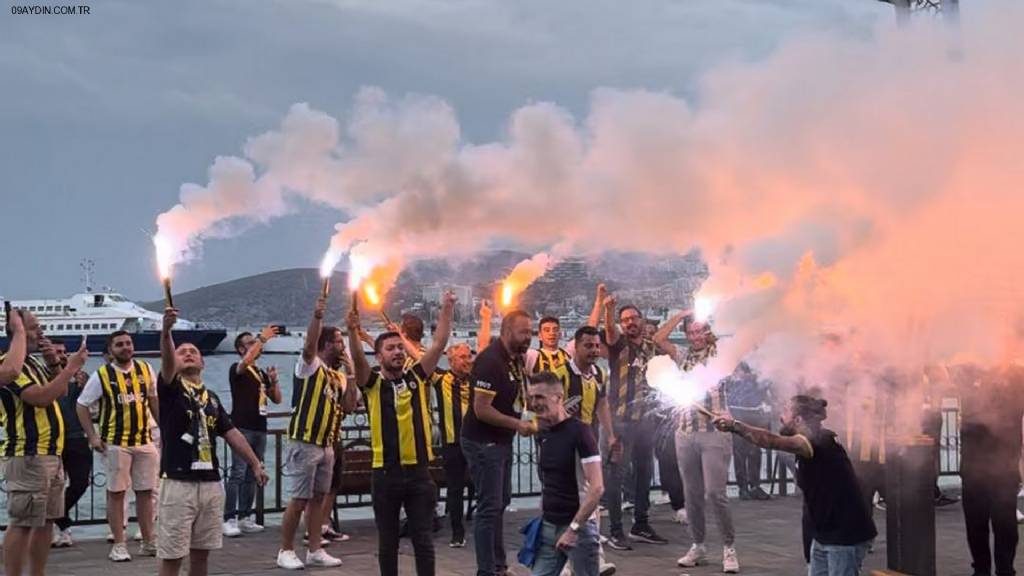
[(524, 274), (371, 294), (507, 293)]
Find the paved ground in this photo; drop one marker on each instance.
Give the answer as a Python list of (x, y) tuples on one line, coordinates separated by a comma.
[(768, 542)]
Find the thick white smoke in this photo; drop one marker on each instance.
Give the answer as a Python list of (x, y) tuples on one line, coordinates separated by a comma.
[(865, 185)]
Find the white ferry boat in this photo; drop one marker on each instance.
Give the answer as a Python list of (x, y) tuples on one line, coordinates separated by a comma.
[(96, 314)]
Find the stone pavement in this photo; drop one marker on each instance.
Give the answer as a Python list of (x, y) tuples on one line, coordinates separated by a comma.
[(768, 543)]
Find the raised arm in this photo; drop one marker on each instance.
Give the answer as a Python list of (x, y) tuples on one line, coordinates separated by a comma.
[(58, 386), (797, 444), (257, 348), (14, 361), (661, 336), (595, 313), (359, 363), (483, 337), (611, 327), (444, 329), (313, 331), (168, 367)]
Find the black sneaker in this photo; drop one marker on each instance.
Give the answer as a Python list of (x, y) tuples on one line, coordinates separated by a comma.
[(646, 534), (756, 493), (944, 500), (457, 542), (618, 542)]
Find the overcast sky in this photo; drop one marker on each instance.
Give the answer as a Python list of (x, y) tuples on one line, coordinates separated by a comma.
[(104, 116)]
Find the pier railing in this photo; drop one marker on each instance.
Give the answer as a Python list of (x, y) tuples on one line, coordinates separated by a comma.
[(272, 498)]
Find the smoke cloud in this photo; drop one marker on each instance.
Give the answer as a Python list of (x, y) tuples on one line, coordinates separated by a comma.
[(866, 187)]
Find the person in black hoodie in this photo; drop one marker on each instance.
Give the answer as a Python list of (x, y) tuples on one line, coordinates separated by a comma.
[(840, 523)]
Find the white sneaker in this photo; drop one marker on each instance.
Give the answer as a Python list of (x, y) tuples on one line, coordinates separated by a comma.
[(606, 569), (249, 526), (696, 556), (730, 564), (322, 558), (147, 548), (1020, 518), (138, 535), (288, 560), (119, 553), (627, 505), (231, 528), (660, 499), (680, 517), (63, 539)]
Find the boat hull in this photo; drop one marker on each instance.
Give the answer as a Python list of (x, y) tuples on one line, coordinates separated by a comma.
[(146, 343)]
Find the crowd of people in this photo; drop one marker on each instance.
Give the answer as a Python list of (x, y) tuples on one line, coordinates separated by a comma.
[(599, 429)]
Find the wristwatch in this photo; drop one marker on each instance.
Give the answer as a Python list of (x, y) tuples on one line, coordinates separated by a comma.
[(574, 526)]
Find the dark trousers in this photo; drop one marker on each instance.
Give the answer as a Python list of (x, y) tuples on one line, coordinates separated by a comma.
[(455, 470), (746, 457), (408, 487), (491, 467), (77, 459), (668, 470), (638, 439), (990, 498)]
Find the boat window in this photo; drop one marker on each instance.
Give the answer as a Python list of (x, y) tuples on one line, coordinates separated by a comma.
[(78, 326), (49, 308)]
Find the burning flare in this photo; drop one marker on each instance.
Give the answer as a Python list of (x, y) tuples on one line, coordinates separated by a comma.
[(704, 307), (164, 255), (524, 274), (372, 294)]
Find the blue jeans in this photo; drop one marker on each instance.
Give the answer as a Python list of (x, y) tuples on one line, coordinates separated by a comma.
[(835, 560), (550, 560), (240, 489), (490, 465)]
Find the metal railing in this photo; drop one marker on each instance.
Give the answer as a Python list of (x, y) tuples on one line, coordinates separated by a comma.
[(271, 498)]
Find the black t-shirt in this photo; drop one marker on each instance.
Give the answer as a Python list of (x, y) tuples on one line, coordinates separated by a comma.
[(191, 418), (563, 448), (497, 373), (249, 397), (990, 421), (833, 508)]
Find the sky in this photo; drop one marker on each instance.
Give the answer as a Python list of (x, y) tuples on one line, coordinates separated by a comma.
[(104, 116)]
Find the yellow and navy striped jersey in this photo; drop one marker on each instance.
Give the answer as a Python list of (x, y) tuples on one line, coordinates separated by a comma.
[(316, 405), (589, 388), (715, 400), (124, 404), (30, 430), (399, 415), (452, 393), (628, 393), (412, 359), (556, 362)]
